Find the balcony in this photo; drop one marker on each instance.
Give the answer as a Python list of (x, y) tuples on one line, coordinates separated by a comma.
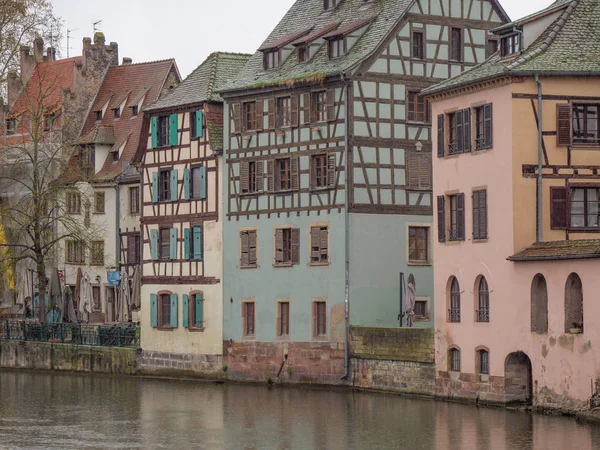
[(454, 315)]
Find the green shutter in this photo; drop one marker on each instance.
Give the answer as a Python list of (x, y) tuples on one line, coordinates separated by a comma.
[(154, 244), (154, 126), (186, 243), (185, 311), (202, 182), (174, 183), (197, 247), (173, 245), (199, 313), (173, 129), (155, 187), (154, 310), (174, 318), (186, 184), (199, 123)]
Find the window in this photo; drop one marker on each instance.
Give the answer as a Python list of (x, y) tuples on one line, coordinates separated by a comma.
[(248, 318), (573, 305), (452, 133), (319, 171), (248, 248), (491, 47), (117, 112), (319, 319), (165, 311), (459, 132), (251, 177), (330, 4), (133, 249), (283, 179), (193, 125), (454, 358), (97, 253), (165, 243), (287, 246), (196, 310), (418, 244), (163, 131), (96, 300), (454, 315), (457, 217), (510, 45), (319, 106), (98, 115), (86, 159), (49, 122), (418, 170), (75, 252), (483, 127), (284, 112), (539, 305), (135, 110), (420, 309), (99, 203), (456, 44), (586, 119), (417, 45), (319, 245), (11, 126), (483, 362), (134, 200), (249, 116), (283, 319), (73, 201), (164, 185), (196, 181), (302, 53), (585, 207), (418, 108), (480, 215), (337, 47), (271, 59), (483, 294)]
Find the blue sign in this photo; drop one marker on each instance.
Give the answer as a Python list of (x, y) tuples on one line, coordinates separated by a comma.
[(113, 277)]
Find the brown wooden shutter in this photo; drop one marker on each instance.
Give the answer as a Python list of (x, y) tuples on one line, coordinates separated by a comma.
[(440, 135), (252, 257), (271, 175), (244, 177), (564, 132), (259, 174), (306, 108), (245, 249), (259, 113), (441, 217), (425, 171), (294, 111), (271, 113), (488, 122), (330, 104), (324, 243), (278, 246), (412, 164), (314, 244), (295, 246), (459, 132), (460, 216), (331, 170), (467, 130), (559, 212), (483, 214), (237, 118), (295, 173)]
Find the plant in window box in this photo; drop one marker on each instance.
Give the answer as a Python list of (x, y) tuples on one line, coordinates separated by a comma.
[(576, 329)]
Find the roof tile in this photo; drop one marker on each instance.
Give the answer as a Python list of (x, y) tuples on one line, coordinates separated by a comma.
[(558, 250)]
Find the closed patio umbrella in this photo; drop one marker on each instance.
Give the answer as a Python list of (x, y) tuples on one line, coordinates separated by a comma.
[(411, 298), (78, 286), (136, 288), (85, 301), (68, 303), (124, 296)]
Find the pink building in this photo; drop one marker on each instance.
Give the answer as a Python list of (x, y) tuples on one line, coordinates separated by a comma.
[(516, 256)]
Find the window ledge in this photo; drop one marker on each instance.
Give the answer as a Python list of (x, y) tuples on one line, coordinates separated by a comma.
[(452, 242), (249, 337), (420, 319), (97, 264), (316, 190), (481, 150), (283, 192), (249, 267), (419, 263), (480, 241), (319, 264), (248, 133), (418, 123), (195, 330), (251, 194), (283, 265), (165, 328)]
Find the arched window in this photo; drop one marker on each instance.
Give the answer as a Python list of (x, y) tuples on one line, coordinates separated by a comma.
[(573, 305), (483, 293), (454, 360), (483, 362), (454, 311), (539, 304)]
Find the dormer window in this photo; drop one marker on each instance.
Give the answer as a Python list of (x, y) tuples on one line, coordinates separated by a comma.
[(330, 4), (510, 45), (117, 112), (11, 126), (271, 59), (302, 53), (49, 122), (135, 110), (98, 115), (337, 47)]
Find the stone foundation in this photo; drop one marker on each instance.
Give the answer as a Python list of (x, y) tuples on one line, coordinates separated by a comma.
[(182, 365), (470, 387), (393, 376)]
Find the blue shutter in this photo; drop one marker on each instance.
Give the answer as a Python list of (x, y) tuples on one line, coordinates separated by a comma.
[(197, 247), (154, 244), (199, 124), (154, 310), (185, 307), (174, 318), (186, 184), (186, 243), (173, 246), (173, 129), (154, 126), (155, 187), (202, 182), (174, 183), (199, 312)]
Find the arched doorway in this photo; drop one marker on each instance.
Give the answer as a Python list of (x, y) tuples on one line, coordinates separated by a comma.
[(517, 378)]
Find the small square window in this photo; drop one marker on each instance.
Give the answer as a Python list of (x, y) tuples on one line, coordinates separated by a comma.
[(135, 110), (302, 53), (117, 112), (418, 244), (271, 59), (337, 47), (98, 115)]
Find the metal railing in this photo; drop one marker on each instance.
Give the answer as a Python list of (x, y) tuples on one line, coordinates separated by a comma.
[(454, 315), (483, 315), (68, 333)]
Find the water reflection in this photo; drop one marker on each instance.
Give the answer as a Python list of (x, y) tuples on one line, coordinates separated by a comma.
[(57, 411)]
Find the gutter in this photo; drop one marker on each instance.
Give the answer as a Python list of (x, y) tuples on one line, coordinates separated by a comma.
[(540, 193), (346, 232)]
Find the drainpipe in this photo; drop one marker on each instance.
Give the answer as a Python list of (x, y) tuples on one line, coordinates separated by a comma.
[(540, 221), (346, 231)]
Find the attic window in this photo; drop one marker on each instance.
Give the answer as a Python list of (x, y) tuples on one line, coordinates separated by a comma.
[(330, 4), (135, 110), (337, 47), (510, 45), (117, 112), (271, 59), (302, 53), (98, 115), (49, 122), (11, 126)]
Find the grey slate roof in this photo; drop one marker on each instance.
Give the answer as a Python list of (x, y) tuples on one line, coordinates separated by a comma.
[(569, 46), (203, 84)]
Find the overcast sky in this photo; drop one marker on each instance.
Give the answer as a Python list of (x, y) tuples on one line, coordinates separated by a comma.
[(189, 30)]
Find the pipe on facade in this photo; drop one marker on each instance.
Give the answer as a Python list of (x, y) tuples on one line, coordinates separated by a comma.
[(540, 221), (346, 231), (118, 228)]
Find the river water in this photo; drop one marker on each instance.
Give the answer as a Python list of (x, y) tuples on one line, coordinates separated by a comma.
[(60, 411)]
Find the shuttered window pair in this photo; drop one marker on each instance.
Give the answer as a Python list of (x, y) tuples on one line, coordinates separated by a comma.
[(578, 123), (251, 177), (164, 130), (193, 243), (194, 183), (164, 186), (459, 132), (164, 310), (319, 245), (248, 248), (460, 136), (455, 223), (193, 311), (196, 124), (323, 171), (480, 215), (319, 106), (483, 127), (287, 246), (419, 170), (283, 174), (574, 208), (163, 244)]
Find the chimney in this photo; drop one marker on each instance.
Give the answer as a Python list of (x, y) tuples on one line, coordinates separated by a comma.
[(27, 64), (14, 88), (50, 54), (127, 61), (99, 38), (38, 49)]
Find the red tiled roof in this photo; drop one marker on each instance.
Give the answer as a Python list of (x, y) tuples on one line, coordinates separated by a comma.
[(558, 250), (350, 27)]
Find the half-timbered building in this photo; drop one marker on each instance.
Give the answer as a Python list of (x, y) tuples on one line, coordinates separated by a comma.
[(328, 173), (518, 224), (181, 221)]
